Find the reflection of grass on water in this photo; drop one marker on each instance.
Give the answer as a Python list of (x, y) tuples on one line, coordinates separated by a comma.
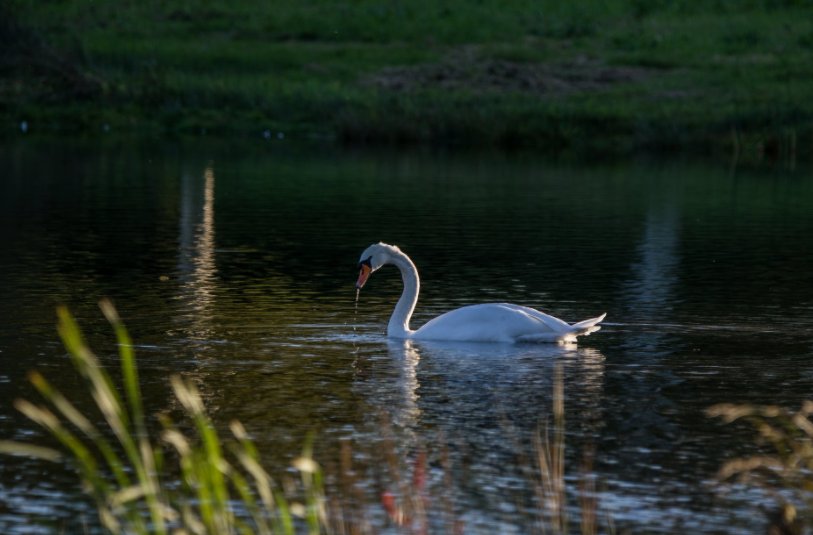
[(200, 483)]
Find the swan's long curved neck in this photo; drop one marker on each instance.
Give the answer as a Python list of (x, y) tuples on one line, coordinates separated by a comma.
[(398, 326)]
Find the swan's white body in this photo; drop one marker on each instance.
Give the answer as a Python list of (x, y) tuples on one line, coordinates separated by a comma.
[(493, 322)]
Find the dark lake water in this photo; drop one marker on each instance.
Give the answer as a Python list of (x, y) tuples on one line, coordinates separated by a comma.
[(234, 265)]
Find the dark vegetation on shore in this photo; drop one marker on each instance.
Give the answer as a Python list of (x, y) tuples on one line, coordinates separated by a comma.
[(616, 76)]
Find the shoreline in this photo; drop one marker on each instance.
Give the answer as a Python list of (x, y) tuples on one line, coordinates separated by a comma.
[(603, 79)]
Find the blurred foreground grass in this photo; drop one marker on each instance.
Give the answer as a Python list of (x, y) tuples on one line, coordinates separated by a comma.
[(186, 479), (615, 75), (184, 483), (783, 468)]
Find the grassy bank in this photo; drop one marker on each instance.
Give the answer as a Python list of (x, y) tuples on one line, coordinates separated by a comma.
[(618, 75)]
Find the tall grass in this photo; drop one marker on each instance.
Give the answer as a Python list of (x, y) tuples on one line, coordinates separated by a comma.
[(125, 467), (784, 468), (164, 477), (158, 476)]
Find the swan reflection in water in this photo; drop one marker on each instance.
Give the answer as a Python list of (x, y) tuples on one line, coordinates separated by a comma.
[(471, 390), (479, 354), (478, 405)]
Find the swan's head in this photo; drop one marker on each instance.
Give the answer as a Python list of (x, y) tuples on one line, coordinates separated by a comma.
[(373, 258)]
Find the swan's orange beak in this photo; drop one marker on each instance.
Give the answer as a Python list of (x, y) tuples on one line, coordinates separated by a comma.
[(364, 274)]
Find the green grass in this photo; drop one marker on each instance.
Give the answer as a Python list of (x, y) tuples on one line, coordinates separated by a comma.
[(305, 67), (131, 472)]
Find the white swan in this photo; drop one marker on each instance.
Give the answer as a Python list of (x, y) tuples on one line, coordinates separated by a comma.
[(493, 322)]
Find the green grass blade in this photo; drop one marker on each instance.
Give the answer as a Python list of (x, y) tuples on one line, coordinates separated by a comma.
[(212, 467), (248, 457), (137, 449), (285, 521), (10, 447), (311, 475), (73, 415), (243, 488), (83, 456), (128, 364)]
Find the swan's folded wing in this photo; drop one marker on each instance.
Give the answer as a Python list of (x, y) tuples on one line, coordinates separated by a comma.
[(553, 323), (491, 322)]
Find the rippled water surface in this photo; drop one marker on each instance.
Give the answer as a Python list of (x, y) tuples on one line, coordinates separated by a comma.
[(234, 265)]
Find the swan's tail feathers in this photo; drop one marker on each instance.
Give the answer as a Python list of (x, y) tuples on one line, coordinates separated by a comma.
[(588, 324), (582, 328), (568, 335)]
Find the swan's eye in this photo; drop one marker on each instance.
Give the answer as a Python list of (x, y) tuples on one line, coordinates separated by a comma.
[(368, 263)]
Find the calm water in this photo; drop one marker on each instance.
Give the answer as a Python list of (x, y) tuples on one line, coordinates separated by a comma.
[(234, 266)]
